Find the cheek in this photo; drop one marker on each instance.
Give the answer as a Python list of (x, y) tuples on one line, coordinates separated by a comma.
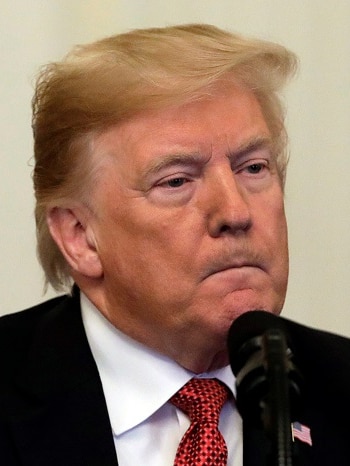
[(281, 228), (273, 216), (273, 232), (175, 231), (156, 247), (279, 251)]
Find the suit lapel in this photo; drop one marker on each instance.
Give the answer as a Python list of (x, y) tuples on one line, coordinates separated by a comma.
[(63, 419), (257, 449), (324, 361)]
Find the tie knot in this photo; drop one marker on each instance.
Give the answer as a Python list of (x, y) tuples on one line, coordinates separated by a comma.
[(201, 399)]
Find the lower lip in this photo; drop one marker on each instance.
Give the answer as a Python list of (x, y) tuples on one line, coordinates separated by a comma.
[(241, 277)]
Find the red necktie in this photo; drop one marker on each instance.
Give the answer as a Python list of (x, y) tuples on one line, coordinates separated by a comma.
[(202, 444)]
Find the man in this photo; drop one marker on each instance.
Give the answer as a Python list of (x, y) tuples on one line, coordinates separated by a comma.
[(160, 160)]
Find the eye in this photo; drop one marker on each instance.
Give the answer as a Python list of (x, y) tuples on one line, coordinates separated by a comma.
[(173, 183), (176, 182), (255, 168), (172, 190)]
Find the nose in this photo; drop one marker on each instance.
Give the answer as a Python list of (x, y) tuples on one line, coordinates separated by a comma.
[(228, 211)]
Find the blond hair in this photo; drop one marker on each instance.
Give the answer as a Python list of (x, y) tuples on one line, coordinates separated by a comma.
[(100, 84)]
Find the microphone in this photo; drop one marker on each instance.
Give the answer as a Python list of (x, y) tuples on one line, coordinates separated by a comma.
[(268, 385)]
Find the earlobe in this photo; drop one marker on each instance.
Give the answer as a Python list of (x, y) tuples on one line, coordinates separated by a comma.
[(71, 232)]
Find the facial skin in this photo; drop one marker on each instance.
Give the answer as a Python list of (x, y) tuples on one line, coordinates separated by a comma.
[(187, 229)]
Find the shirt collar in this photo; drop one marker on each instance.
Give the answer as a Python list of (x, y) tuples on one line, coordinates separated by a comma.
[(136, 380)]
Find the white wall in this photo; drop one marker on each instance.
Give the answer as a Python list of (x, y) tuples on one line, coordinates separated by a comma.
[(33, 32)]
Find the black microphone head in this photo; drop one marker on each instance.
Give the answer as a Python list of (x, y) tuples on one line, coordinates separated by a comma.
[(246, 327), (252, 348)]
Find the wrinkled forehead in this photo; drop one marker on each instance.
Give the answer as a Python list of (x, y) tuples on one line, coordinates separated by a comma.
[(184, 119), (225, 123)]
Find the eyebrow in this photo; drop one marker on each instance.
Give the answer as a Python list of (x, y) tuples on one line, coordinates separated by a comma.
[(196, 158), (252, 145), (171, 160)]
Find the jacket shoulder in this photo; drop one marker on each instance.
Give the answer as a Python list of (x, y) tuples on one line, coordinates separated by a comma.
[(25, 316), (17, 330), (23, 322)]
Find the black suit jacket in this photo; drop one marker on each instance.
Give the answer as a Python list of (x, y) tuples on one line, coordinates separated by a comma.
[(53, 411)]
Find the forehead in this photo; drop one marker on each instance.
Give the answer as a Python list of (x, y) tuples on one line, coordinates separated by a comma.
[(229, 116)]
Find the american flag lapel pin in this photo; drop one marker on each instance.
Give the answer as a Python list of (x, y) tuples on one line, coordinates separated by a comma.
[(301, 432)]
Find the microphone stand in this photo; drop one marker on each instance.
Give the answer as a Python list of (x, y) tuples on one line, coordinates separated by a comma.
[(276, 410), (268, 389)]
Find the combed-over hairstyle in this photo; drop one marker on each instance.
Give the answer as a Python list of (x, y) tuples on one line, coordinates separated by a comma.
[(100, 84)]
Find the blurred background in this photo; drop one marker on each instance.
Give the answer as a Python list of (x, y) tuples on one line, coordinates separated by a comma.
[(34, 32)]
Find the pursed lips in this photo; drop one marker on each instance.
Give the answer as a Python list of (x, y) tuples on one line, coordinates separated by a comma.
[(233, 265)]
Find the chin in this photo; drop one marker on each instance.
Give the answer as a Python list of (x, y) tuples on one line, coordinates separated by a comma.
[(249, 300), (220, 360), (210, 361)]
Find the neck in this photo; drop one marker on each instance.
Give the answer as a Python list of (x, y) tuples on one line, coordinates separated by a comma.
[(203, 363)]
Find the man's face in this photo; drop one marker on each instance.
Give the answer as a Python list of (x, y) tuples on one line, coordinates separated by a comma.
[(189, 225)]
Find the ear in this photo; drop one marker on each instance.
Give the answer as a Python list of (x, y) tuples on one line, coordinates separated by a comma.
[(71, 231)]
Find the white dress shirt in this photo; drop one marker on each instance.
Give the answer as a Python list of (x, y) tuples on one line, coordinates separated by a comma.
[(137, 384)]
